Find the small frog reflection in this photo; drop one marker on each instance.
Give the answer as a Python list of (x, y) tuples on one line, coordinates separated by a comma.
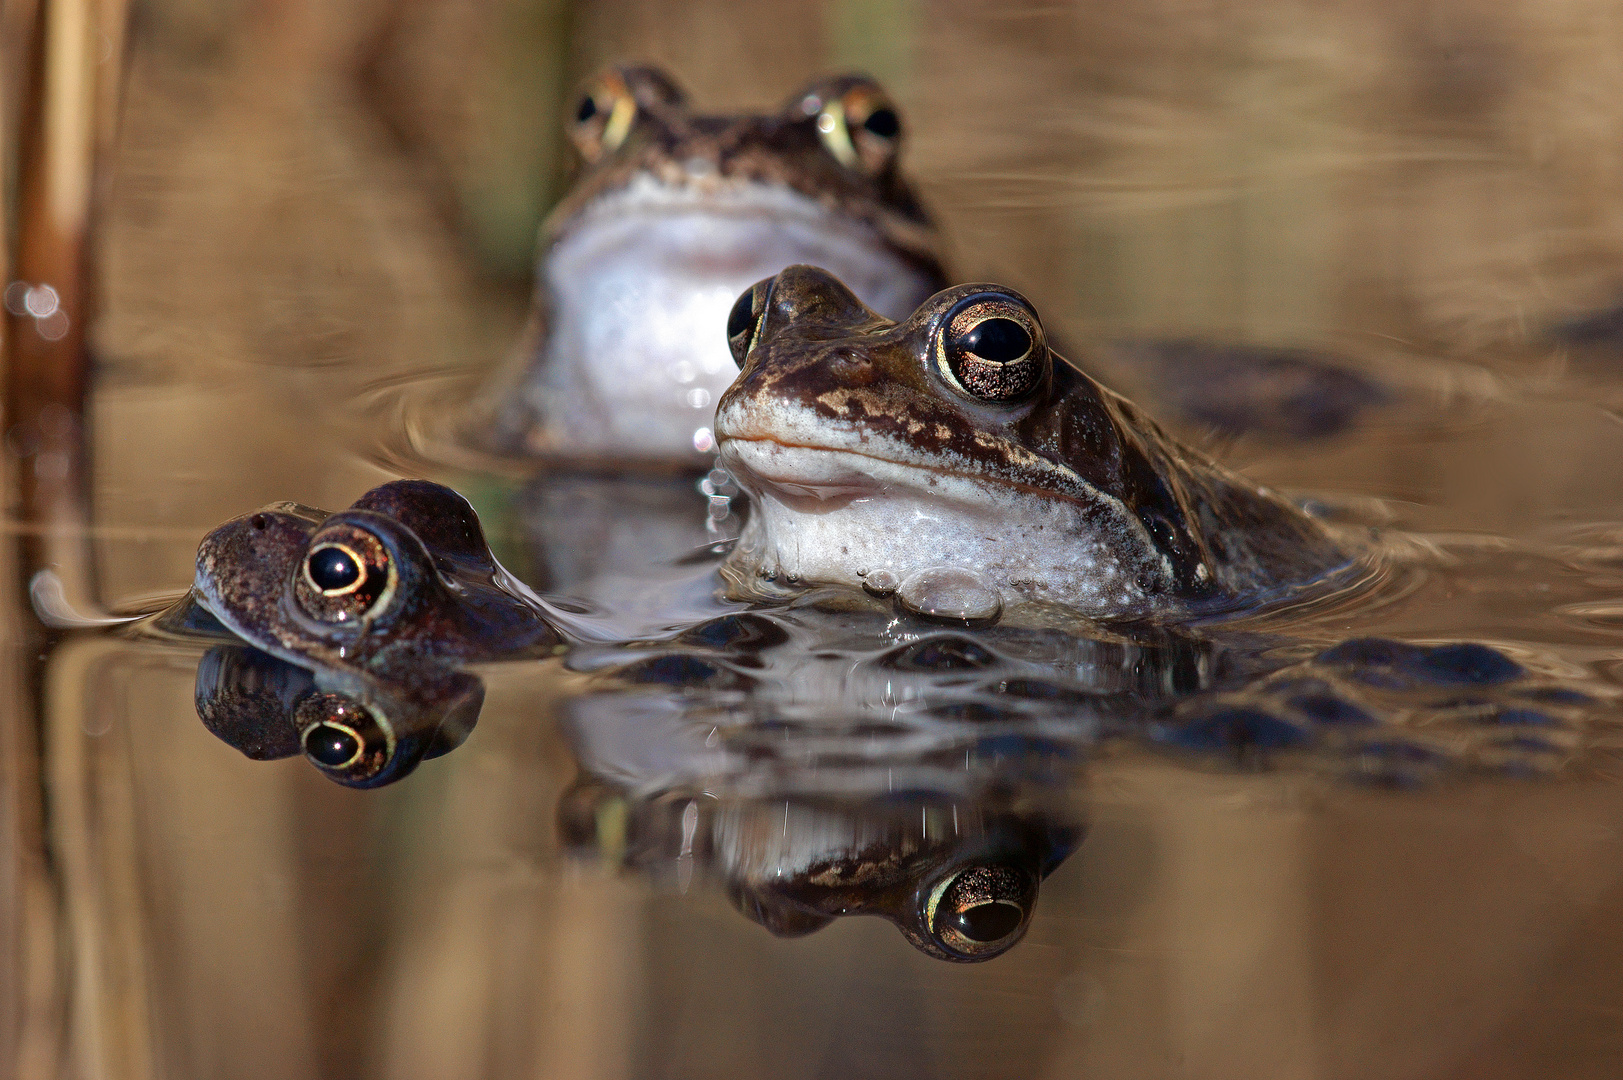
[(357, 731), (674, 212), (348, 630), (958, 442)]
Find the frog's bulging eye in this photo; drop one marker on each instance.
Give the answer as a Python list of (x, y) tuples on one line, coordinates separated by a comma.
[(992, 349), (343, 738), (347, 575), (862, 129), (744, 320), (603, 117), (981, 911)]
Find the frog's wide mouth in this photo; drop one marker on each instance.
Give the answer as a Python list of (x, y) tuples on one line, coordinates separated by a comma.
[(778, 462), (807, 474)]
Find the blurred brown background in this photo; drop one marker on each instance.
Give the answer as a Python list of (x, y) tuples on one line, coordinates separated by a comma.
[(308, 199)]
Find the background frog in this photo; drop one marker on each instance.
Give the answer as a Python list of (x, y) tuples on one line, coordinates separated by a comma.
[(674, 214)]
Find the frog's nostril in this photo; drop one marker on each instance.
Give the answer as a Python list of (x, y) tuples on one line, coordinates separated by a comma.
[(258, 521)]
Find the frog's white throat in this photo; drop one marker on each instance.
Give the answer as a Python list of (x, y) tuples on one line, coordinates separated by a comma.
[(833, 515), (638, 288)]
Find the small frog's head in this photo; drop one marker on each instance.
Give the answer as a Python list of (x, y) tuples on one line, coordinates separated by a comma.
[(402, 575)]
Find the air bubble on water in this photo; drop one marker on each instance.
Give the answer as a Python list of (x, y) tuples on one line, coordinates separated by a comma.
[(950, 592), (880, 582), (698, 397), (703, 440)]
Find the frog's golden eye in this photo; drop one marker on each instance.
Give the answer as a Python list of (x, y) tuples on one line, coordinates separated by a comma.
[(992, 348), (603, 116), (861, 128), (744, 321), (346, 575), (348, 741), (980, 911)]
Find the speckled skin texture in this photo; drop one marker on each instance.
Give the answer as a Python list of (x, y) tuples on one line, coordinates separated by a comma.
[(860, 456), (447, 607), (448, 604), (625, 354)]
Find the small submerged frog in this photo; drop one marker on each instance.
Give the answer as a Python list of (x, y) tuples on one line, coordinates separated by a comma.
[(401, 579), (382, 602), (956, 442), (676, 212)]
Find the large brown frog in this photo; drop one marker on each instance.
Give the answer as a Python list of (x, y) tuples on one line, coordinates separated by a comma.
[(957, 442), (674, 213)]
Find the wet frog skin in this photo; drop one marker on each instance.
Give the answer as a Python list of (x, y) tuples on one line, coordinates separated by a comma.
[(957, 439), (674, 213), (401, 580)]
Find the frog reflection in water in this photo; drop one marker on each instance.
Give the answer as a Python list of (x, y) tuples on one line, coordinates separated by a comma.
[(675, 213), (956, 440), (382, 603), (836, 760)]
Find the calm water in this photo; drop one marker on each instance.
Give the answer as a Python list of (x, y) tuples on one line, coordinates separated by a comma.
[(1243, 876)]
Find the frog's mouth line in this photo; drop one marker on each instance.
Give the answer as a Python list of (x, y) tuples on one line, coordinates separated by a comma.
[(762, 458)]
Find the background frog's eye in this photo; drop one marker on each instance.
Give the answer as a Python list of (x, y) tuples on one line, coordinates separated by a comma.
[(862, 129), (744, 321), (602, 117), (992, 348), (346, 575), (343, 738), (981, 911)]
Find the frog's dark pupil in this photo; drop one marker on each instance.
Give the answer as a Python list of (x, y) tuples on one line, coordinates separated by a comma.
[(333, 568), (587, 110), (330, 746), (998, 340), (987, 922), (739, 319), (883, 123)]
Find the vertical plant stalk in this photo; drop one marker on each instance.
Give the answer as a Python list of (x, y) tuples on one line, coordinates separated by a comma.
[(59, 89), (67, 122)]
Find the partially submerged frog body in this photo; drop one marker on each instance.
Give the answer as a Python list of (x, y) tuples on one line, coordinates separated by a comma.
[(401, 582), (358, 730), (675, 212), (957, 440)]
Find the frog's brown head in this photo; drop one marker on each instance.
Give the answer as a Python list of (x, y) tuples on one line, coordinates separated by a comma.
[(674, 212), (957, 438), (401, 579), (836, 142)]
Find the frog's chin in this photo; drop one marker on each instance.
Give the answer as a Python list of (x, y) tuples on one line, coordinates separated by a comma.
[(821, 514)]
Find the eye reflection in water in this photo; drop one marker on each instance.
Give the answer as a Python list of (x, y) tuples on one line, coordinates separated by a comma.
[(355, 730)]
